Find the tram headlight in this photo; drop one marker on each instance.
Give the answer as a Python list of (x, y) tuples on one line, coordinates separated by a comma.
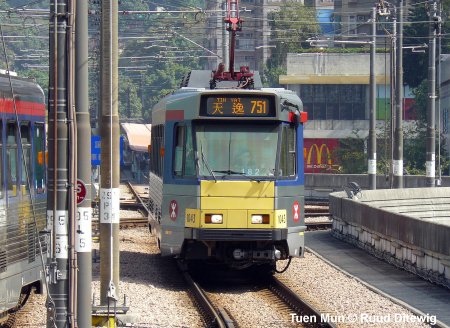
[(260, 218), (214, 218)]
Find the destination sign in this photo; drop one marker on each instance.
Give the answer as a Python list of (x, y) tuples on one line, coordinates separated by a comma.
[(238, 106)]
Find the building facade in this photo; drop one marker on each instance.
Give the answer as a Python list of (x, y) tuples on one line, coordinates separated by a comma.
[(335, 90)]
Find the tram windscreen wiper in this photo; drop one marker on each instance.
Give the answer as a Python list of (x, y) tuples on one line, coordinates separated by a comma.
[(230, 172), (206, 163)]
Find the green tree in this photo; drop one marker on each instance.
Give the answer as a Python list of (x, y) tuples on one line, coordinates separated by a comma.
[(415, 64), (351, 156), (415, 139), (291, 26), (416, 32), (129, 101)]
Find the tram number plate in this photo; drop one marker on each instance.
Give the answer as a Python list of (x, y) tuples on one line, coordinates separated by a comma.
[(281, 218), (190, 217)]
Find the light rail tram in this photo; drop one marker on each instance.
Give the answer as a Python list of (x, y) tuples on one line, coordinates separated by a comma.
[(23, 197), (226, 172)]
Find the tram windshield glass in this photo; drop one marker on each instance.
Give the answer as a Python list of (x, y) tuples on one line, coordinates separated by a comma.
[(237, 150)]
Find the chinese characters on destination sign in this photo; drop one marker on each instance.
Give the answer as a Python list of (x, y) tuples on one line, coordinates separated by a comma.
[(235, 106)]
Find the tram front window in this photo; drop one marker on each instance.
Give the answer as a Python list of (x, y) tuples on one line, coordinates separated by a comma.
[(236, 150)]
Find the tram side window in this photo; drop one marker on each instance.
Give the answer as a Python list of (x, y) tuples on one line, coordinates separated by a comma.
[(184, 152), (1, 161), (26, 161), (11, 158), (179, 150), (157, 150), (288, 152), (39, 158)]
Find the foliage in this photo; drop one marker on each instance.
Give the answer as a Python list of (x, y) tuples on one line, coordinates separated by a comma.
[(415, 64), (138, 89), (25, 55), (351, 156), (161, 69), (130, 105), (291, 26), (271, 75)]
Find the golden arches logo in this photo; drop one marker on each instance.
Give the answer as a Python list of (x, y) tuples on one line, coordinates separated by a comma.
[(319, 152)]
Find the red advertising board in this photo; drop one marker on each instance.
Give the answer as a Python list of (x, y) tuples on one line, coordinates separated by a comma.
[(320, 156)]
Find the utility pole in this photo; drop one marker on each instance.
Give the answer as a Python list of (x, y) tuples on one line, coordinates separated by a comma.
[(431, 114), (83, 244), (395, 169), (372, 162), (439, 80), (225, 41), (62, 266), (398, 132), (110, 174)]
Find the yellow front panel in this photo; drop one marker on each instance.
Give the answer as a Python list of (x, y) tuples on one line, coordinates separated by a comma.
[(192, 218), (251, 189), (280, 219), (237, 219), (236, 203)]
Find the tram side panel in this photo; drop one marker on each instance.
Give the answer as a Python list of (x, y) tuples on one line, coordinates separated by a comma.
[(20, 262), (290, 196)]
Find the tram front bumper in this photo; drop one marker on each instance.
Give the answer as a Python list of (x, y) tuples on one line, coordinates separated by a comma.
[(235, 234)]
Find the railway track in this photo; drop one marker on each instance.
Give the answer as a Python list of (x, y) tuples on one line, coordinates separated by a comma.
[(140, 200), (300, 306), (272, 291), (9, 319), (212, 316)]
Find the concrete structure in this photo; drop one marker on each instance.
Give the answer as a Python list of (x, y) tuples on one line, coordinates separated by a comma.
[(353, 16), (335, 90), (407, 227)]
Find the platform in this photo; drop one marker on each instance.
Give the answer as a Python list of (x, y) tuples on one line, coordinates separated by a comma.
[(418, 293), (407, 227)]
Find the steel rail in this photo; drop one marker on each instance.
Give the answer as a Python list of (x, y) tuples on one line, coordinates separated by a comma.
[(213, 317), (296, 303), (136, 194)]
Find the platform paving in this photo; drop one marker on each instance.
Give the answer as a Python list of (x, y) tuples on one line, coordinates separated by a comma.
[(418, 293)]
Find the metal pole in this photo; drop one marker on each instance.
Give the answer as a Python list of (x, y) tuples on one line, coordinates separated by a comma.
[(398, 134), (58, 178), (225, 41), (372, 162), (431, 130), (73, 260), (83, 244), (394, 167), (439, 79), (109, 184)]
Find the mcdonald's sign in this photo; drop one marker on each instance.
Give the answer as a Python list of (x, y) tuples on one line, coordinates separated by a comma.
[(318, 155)]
